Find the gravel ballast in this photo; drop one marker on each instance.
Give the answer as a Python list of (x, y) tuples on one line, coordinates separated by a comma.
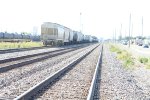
[(24, 53), (13, 75), (30, 52), (31, 75), (75, 84), (118, 83)]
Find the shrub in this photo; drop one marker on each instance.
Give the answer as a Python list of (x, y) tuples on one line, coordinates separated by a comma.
[(119, 52), (128, 62), (143, 60)]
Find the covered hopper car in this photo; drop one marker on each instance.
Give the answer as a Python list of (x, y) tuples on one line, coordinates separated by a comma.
[(56, 34)]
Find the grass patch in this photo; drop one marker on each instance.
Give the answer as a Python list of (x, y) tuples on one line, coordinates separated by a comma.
[(114, 49), (129, 62), (123, 55), (143, 60), (148, 66), (9, 45)]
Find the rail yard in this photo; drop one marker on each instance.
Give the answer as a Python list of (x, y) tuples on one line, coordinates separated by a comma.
[(73, 66), (74, 50), (10, 79), (87, 71)]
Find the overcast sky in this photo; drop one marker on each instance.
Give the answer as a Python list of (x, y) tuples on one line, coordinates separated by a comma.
[(99, 17)]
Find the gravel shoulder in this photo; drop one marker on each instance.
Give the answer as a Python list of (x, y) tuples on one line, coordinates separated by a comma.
[(118, 83)]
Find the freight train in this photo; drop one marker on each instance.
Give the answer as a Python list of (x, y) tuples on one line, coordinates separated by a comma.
[(56, 34), (15, 37)]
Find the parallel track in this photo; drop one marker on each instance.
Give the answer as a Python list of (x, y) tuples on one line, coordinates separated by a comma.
[(21, 49), (8, 64), (32, 91), (25, 49)]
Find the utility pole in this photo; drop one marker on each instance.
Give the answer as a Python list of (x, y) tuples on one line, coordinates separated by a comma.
[(132, 30), (129, 28), (121, 32), (115, 35), (125, 33), (81, 22), (142, 26)]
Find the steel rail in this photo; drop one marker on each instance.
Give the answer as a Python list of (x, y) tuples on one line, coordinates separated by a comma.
[(27, 56), (32, 91), (21, 49), (30, 61), (33, 55), (3, 51), (96, 73)]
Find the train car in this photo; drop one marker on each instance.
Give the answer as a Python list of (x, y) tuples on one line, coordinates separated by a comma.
[(66, 38), (8, 36), (35, 38), (94, 39), (1, 35), (78, 37), (71, 36), (25, 36), (87, 38), (54, 34), (17, 36)]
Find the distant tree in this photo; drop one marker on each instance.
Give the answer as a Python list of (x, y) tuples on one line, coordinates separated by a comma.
[(27, 33)]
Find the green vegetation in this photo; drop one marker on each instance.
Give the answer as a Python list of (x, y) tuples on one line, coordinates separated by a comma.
[(145, 61), (127, 59), (129, 62), (113, 48), (9, 45), (123, 55)]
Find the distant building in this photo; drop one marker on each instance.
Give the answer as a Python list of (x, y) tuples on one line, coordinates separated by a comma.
[(35, 31)]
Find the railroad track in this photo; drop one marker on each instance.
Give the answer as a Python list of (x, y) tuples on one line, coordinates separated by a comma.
[(95, 84), (29, 94), (21, 49), (16, 81), (11, 63), (27, 49)]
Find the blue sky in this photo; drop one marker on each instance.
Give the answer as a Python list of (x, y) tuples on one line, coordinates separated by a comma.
[(99, 17)]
